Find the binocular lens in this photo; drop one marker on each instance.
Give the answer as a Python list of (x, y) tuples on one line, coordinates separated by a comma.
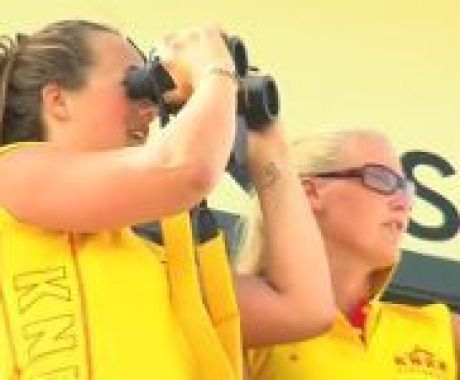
[(271, 100), (258, 100)]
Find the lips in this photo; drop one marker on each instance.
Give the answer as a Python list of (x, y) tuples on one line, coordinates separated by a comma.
[(137, 134)]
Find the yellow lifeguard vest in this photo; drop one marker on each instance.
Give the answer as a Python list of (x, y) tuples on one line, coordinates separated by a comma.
[(113, 306)]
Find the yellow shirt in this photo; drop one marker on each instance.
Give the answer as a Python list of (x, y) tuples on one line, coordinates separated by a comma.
[(399, 342)]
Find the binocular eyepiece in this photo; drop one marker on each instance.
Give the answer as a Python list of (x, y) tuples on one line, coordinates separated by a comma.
[(258, 100)]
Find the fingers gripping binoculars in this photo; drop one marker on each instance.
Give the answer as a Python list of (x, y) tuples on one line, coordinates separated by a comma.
[(258, 101)]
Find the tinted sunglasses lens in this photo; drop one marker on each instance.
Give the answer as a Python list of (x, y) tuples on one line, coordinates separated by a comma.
[(409, 188), (380, 179)]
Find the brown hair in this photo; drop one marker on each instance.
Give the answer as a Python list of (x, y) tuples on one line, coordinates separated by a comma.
[(57, 53)]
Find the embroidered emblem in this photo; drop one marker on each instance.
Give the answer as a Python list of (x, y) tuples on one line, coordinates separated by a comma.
[(420, 360)]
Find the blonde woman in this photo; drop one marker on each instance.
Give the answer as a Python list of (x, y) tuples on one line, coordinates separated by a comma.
[(361, 199)]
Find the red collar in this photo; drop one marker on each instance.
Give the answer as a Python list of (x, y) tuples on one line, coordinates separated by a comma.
[(357, 316)]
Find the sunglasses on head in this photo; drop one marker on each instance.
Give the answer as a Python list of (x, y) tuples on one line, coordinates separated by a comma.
[(376, 177)]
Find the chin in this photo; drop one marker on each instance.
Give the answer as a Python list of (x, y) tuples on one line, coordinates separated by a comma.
[(389, 257)]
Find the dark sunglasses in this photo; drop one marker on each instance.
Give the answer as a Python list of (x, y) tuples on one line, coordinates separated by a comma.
[(376, 177)]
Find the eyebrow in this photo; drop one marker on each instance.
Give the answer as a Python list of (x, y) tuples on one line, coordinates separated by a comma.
[(349, 172), (356, 171)]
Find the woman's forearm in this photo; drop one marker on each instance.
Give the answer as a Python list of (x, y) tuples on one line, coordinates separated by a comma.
[(297, 296)]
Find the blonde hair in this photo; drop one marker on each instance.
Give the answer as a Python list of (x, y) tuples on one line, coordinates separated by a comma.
[(309, 155)]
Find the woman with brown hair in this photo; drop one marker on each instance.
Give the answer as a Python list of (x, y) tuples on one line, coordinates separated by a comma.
[(81, 295)]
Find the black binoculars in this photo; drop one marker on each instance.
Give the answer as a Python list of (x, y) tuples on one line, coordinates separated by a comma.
[(258, 100)]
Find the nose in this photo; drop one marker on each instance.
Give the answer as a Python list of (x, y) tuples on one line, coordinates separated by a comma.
[(402, 200)]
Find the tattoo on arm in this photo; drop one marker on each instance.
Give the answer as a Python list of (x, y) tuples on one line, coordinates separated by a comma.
[(270, 175)]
